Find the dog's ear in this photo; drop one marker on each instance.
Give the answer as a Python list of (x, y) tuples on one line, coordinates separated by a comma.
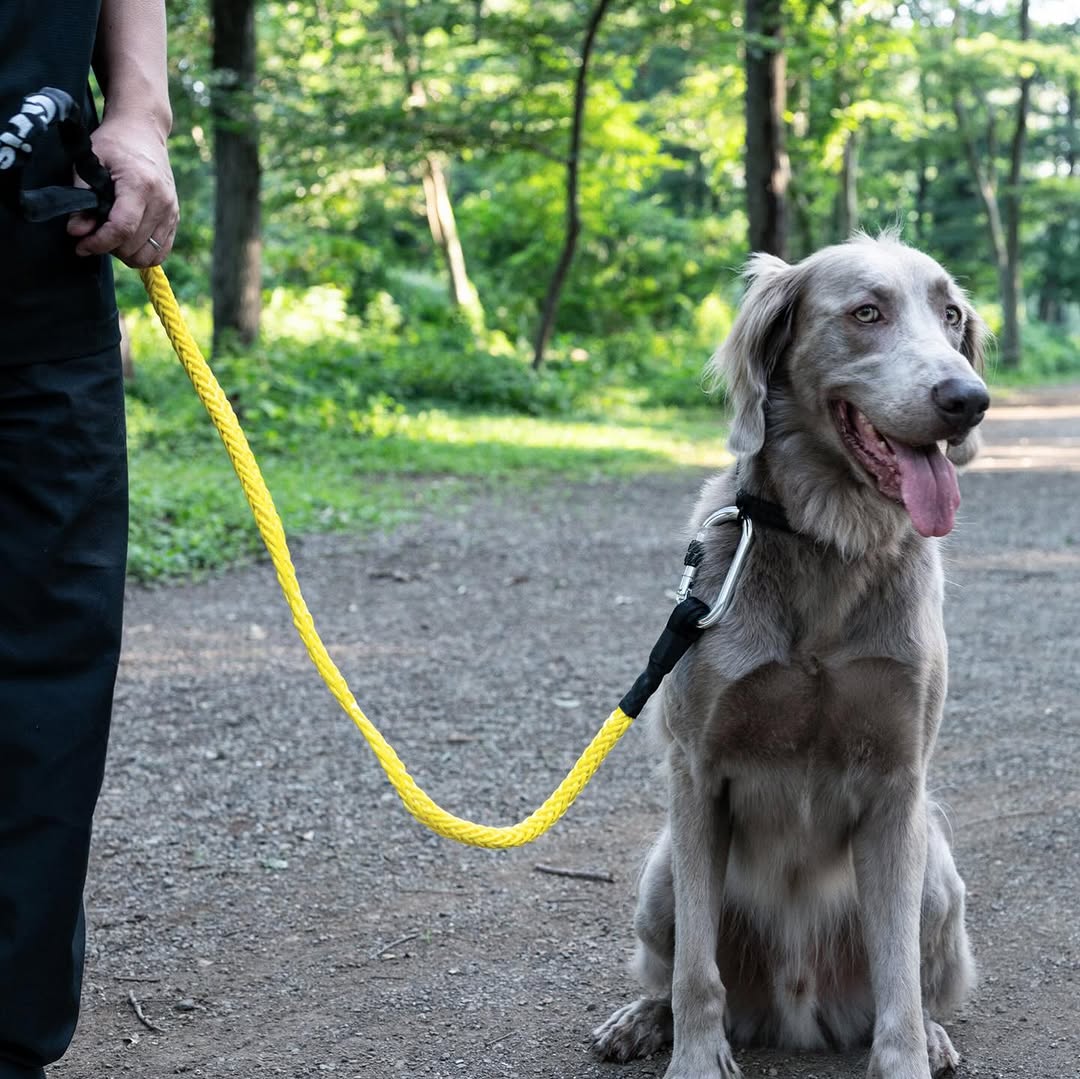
[(973, 346), (749, 355)]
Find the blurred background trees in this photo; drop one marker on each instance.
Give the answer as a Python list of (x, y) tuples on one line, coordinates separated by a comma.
[(453, 241), (417, 161)]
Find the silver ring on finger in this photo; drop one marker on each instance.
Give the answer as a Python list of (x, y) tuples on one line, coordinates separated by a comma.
[(154, 244)]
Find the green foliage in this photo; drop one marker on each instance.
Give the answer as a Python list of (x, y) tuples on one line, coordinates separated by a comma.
[(1051, 353), (339, 452), (365, 365), (325, 368), (322, 368), (185, 521), (355, 93)]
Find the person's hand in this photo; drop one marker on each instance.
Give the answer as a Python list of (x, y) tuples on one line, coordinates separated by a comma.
[(134, 151)]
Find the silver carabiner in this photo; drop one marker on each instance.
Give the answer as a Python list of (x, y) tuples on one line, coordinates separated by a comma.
[(738, 561)]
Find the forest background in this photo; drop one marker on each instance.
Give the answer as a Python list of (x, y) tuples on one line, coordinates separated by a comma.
[(439, 243)]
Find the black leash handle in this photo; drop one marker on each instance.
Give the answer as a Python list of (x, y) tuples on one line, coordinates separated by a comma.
[(37, 114)]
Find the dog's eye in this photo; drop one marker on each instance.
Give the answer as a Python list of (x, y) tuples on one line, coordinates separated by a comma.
[(866, 314), (953, 316)]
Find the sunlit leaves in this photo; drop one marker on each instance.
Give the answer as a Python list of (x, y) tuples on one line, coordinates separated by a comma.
[(353, 93)]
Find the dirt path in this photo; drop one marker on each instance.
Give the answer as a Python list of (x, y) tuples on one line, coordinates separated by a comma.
[(257, 888)]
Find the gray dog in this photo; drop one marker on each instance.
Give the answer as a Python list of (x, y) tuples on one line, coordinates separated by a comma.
[(803, 894)]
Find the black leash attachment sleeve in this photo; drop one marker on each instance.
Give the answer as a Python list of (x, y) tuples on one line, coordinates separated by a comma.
[(681, 631)]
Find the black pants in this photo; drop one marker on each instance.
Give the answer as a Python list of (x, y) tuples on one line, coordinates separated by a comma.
[(63, 544)]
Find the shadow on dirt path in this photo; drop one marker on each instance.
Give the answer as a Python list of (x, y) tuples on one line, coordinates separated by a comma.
[(260, 893)]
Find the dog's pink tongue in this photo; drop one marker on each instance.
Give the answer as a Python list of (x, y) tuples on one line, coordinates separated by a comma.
[(928, 487)]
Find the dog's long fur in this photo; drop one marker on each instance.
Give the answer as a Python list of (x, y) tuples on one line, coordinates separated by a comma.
[(803, 893)]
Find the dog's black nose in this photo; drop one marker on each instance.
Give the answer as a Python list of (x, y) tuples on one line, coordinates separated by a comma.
[(960, 402)]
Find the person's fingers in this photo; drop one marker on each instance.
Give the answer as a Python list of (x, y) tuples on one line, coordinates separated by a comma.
[(119, 228), (81, 224), (133, 245), (153, 239), (165, 235), (152, 250), (140, 211), (152, 253), (135, 249)]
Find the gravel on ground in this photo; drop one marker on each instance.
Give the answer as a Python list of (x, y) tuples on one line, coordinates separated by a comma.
[(260, 904)]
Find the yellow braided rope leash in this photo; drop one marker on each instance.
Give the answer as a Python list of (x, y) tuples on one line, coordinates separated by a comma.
[(415, 800)]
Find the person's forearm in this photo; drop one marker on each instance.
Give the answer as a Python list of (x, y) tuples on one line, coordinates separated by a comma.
[(130, 61)]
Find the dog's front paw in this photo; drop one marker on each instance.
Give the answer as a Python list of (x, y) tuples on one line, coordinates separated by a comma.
[(635, 1030), (716, 1063), (889, 1062), (943, 1058)]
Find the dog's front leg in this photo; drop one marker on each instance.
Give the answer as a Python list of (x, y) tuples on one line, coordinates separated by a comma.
[(700, 840), (890, 862)]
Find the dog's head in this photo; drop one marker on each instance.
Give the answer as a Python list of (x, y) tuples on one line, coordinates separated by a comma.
[(878, 353)]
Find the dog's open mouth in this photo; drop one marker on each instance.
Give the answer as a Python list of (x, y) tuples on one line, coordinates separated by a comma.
[(920, 478)]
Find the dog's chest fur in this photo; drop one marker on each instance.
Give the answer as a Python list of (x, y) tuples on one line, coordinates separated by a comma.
[(813, 691), (814, 712)]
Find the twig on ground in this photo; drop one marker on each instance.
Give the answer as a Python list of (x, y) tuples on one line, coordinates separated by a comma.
[(577, 874), (134, 978), (1040, 812), (134, 1002), (393, 944)]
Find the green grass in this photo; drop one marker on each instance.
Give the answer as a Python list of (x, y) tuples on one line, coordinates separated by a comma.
[(336, 461), (189, 515)]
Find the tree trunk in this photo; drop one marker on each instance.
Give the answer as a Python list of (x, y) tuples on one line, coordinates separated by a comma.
[(573, 220), (1070, 130), (986, 185), (847, 216), (803, 222), (847, 200), (1003, 217), (922, 191), (767, 168), (236, 275), (1012, 296), (442, 222), (1053, 306), (444, 234)]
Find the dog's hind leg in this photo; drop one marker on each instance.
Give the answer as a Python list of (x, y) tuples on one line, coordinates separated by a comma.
[(947, 969), (654, 920), (645, 1026)]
